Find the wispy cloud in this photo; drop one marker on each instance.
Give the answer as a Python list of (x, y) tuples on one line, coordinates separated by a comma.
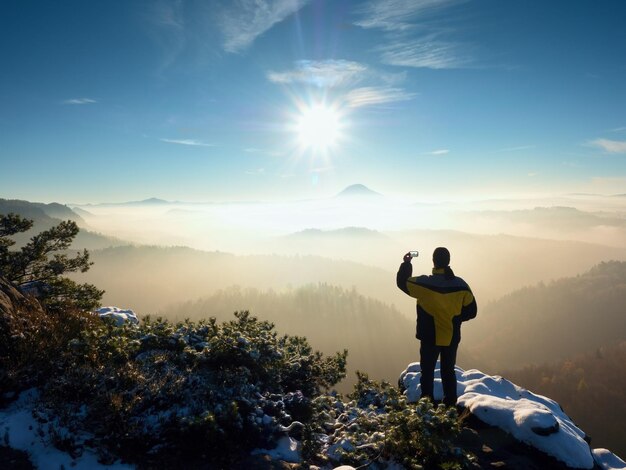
[(321, 73), (618, 129), (191, 142), (610, 146), (246, 20), (438, 152), (417, 33), (258, 171), (374, 95), (168, 14), (169, 29), (398, 15), (425, 52), (345, 75), (79, 101)]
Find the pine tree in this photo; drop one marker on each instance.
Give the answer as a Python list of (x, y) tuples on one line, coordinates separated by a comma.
[(43, 261)]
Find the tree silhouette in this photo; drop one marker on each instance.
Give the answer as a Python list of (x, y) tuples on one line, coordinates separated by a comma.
[(38, 266)]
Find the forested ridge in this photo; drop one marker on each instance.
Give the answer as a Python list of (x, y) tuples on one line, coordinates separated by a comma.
[(380, 339), (591, 388), (552, 321)]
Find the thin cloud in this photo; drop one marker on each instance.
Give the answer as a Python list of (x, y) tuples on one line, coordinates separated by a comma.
[(242, 24), (346, 74), (398, 15), (610, 146), (426, 52), (321, 73), (618, 129), (168, 14), (392, 79), (191, 142), (168, 29), (413, 42), (80, 101), (438, 152), (369, 96), (258, 171)]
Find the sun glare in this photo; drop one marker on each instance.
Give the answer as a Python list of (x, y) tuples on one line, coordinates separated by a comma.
[(318, 127)]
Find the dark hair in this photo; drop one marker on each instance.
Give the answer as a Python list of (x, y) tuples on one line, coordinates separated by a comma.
[(441, 260)]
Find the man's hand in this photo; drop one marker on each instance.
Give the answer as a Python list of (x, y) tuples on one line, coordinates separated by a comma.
[(407, 257)]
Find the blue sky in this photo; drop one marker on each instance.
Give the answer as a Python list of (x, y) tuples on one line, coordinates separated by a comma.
[(191, 100)]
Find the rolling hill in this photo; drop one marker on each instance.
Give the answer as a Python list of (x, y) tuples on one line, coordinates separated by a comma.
[(551, 322), (590, 387), (46, 216), (149, 278)]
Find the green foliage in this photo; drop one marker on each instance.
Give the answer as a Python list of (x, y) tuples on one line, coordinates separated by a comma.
[(420, 436), (43, 260), (203, 391), (11, 224), (205, 394), (380, 339), (377, 426), (31, 341)]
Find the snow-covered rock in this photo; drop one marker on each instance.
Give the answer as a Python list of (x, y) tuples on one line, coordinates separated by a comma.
[(608, 460), (119, 315), (532, 419)]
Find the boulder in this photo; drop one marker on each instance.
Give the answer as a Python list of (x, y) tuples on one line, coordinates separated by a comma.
[(118, 315)]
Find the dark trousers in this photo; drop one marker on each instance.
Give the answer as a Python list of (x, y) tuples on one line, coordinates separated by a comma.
[(429, 353)]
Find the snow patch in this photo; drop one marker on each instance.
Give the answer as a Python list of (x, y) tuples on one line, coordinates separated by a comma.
[(608, 460), (532, 419), (119, 315), (23, 432)]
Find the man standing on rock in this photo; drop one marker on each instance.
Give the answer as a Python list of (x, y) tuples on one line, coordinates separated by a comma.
[(443, 302)]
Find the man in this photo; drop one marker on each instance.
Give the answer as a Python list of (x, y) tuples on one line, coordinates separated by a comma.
[(443, 302)]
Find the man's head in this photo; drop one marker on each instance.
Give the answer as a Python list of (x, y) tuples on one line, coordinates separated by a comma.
[(441, 257)]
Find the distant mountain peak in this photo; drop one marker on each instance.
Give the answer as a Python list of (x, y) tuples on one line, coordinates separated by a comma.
[(154, 200), (341, 232), (359, 190)]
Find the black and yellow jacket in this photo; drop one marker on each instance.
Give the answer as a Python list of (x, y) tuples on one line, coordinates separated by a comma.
[(442, 304)]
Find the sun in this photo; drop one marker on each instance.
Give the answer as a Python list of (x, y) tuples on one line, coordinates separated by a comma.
[(318, 127)]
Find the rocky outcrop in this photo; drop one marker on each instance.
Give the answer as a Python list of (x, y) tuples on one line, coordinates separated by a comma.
[(508, 426), (14, 310), (12, 300)]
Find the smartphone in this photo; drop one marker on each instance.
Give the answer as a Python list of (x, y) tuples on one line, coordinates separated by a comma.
[(414, 254)]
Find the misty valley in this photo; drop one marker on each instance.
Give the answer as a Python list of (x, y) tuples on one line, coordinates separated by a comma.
[(326, 271)]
